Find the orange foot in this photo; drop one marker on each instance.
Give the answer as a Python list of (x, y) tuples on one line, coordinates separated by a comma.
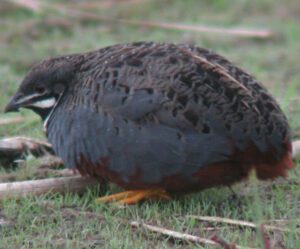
[(134, 196)]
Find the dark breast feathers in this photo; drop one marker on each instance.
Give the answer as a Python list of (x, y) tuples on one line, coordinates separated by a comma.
[(172, 116)]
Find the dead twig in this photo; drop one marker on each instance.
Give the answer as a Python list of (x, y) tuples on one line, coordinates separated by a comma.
[(172, 26), (32, 5), (173, 234), (14, 148), (19, 145), (237, 222), (104, 4), (44, 173), (75, 184), (72, 12), (178, 235), (296, 149)]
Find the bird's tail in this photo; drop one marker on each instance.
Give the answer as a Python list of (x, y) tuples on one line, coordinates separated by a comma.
[(276, 169)]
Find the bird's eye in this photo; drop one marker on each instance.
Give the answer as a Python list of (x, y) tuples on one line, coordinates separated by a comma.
[(40, 89)]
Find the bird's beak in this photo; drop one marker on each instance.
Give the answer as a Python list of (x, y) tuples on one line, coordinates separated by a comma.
[(14, 104), (33, 100), (20, 100)]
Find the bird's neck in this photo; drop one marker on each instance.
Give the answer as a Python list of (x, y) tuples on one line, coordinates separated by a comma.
[(42, 112)]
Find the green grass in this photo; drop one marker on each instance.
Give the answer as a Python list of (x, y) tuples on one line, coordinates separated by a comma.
[(71, 221)]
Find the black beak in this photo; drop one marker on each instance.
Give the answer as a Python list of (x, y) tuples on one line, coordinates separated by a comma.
[(14, 104)]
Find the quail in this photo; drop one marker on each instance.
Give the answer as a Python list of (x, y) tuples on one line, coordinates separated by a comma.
[(157, 118)]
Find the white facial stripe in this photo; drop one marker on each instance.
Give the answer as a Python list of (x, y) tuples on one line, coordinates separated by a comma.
[(45, 103), (25, 99)]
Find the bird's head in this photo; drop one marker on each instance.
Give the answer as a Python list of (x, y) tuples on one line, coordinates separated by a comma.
[(44, 84)]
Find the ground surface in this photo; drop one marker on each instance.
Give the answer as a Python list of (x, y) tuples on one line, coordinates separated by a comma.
[(70, 221)]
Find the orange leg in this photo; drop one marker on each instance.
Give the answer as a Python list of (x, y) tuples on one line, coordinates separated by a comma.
[(134, 196)]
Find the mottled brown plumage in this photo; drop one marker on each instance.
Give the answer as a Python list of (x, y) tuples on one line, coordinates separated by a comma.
[(158, 115)]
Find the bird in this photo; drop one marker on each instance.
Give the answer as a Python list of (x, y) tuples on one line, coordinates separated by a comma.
[(157, 119)]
